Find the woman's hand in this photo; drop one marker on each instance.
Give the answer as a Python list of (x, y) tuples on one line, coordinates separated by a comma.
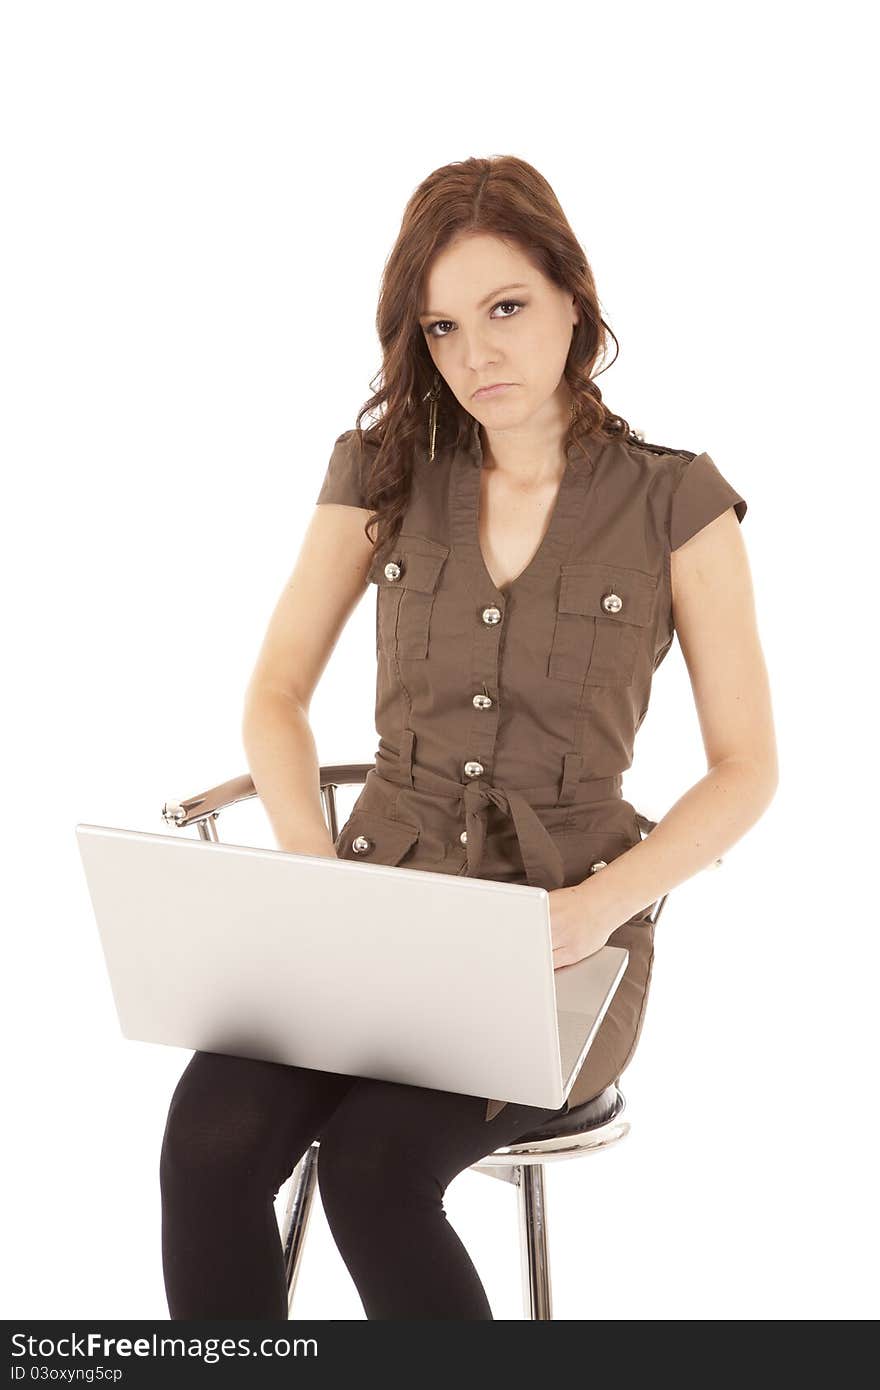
[(573, 933)]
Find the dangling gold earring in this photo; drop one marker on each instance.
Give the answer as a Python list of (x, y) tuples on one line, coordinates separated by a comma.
[(433, 396)]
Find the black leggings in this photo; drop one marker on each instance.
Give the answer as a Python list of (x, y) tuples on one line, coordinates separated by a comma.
[(236, 1129)]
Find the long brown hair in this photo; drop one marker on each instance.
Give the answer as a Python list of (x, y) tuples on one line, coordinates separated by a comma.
[(506, 197)]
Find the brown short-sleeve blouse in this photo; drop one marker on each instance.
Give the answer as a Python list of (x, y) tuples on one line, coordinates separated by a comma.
[(506, 718)]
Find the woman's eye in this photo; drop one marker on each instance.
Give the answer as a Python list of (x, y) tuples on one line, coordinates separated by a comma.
[(502, 304)]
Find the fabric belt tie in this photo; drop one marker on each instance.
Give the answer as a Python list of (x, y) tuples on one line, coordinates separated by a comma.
[(542, 861), (540, 854)]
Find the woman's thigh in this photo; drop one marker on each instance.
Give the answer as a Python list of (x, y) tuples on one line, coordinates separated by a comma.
[(240, 1116), (399, 1133)]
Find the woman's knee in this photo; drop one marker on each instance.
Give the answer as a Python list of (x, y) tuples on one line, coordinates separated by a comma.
[(363, 1175), (216, 1129)]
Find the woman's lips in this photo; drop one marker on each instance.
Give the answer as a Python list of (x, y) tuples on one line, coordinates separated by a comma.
[(493, 390)]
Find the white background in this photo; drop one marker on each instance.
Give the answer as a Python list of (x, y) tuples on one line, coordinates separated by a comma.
[(199, 199)]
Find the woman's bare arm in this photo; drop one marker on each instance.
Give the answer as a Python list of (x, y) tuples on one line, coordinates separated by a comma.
[(326, 584), (714, 615)]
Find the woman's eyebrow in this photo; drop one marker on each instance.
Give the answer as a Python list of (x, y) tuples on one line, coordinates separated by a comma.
[(432, 313)]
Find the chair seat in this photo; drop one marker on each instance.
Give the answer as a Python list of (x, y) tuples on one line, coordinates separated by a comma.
[(590, 1114)]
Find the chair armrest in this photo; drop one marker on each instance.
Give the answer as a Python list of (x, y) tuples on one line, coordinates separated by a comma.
[(212, 802), (195, 808)]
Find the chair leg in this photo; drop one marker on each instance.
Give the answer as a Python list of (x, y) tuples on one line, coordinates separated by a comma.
[(296, 1216), (534, 1253)]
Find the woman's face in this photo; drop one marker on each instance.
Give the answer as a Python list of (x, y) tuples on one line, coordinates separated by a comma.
[(491, 316)]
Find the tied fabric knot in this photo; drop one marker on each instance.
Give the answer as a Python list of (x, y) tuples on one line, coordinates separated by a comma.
[(540, 855)]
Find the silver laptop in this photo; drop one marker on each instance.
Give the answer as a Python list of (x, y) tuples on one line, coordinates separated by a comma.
[(367, 969)]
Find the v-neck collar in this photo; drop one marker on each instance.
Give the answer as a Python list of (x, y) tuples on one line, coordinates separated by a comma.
[(465, 518)]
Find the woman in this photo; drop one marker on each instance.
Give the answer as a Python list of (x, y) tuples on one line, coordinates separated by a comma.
[(532, 558)]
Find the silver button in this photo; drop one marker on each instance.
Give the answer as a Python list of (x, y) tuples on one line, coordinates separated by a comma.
[(482, 702), (463, 837), (612, 603), (360, 844), (491, 615), (392, 570), (599, 864), (473, 769)]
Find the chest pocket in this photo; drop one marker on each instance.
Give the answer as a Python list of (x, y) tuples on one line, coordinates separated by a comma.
[(604, 615), (407, 585)]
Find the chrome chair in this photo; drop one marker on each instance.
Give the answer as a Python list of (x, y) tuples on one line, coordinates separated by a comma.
[(584, 1129)]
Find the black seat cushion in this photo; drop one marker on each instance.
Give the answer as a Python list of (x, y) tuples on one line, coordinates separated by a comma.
[(590, 1114)]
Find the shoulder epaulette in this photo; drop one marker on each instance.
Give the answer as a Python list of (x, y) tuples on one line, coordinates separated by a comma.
[(638, 443)]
